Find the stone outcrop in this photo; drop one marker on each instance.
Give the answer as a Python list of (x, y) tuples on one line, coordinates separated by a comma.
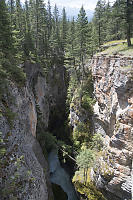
[(25, 106), (113, 118)]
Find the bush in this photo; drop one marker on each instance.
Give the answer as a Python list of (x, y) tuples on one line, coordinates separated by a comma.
[(18, 75), (87, 103), (10, 70), (3, 81), (96, 142), (47, 142), (10, 116), (89, 191), (85, 159), (81, 133)]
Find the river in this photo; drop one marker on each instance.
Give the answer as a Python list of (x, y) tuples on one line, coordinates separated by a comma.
[(60, 177)]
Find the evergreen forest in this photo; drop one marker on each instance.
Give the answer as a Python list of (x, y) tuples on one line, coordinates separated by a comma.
[(35, 32)]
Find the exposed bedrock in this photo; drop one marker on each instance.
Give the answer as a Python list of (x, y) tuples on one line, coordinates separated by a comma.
[(113, 118), (22, 108)]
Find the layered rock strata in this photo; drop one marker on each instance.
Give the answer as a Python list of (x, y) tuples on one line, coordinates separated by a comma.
[(113, 118)]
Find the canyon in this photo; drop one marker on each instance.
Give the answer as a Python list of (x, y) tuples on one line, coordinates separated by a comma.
[(41, 103)]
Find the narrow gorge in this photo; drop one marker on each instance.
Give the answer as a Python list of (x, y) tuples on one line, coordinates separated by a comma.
[(40, 106), (66, 100)]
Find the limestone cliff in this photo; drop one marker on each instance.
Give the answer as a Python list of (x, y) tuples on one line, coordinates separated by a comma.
[(113, 118), (26, 167)]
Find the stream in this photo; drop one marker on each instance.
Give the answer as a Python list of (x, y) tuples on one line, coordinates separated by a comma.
[(60, 177)]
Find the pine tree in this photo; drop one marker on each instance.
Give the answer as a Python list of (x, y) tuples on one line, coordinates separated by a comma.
[(118, 24), (82, 34), (8, 63), (11, 5), (55, 41), (28, 45), (123, 19), (49, 19), (64, 29), (90, 43), (18, 30), (19, 16), (32, 19), (129, 19), (5, 30), (43, 31), (56, 23), (108, 22), (71, 42), (99, 21), (38, 23)]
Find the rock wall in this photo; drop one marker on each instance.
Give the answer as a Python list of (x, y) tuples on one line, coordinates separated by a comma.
[(113, 118), (24, 105)]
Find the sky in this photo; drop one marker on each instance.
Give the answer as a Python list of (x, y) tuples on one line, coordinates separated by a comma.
[(88, 4)]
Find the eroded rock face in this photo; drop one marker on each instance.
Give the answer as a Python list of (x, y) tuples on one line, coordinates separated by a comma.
[(113, 118), (22, 137), (27, 105)]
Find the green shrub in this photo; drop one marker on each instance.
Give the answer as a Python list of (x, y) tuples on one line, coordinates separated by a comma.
[(50, 142), (18, 76), (64, 146), (81, 132), (89, 191), (85, 158), (10, 70), (3, 81), (47, 141), (10, 116), (87, 102), (96, 142)]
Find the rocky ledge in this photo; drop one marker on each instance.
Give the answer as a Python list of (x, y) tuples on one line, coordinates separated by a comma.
[(113, 118)]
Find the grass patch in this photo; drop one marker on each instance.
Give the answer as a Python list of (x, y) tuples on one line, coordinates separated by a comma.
[(117, 47), (114, 42)]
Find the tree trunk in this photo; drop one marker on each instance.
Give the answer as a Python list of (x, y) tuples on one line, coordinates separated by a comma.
[(128, 23), (128, 35), (84, 176)]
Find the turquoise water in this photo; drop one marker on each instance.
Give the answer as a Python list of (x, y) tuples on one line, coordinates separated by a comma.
[(60, 177)]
